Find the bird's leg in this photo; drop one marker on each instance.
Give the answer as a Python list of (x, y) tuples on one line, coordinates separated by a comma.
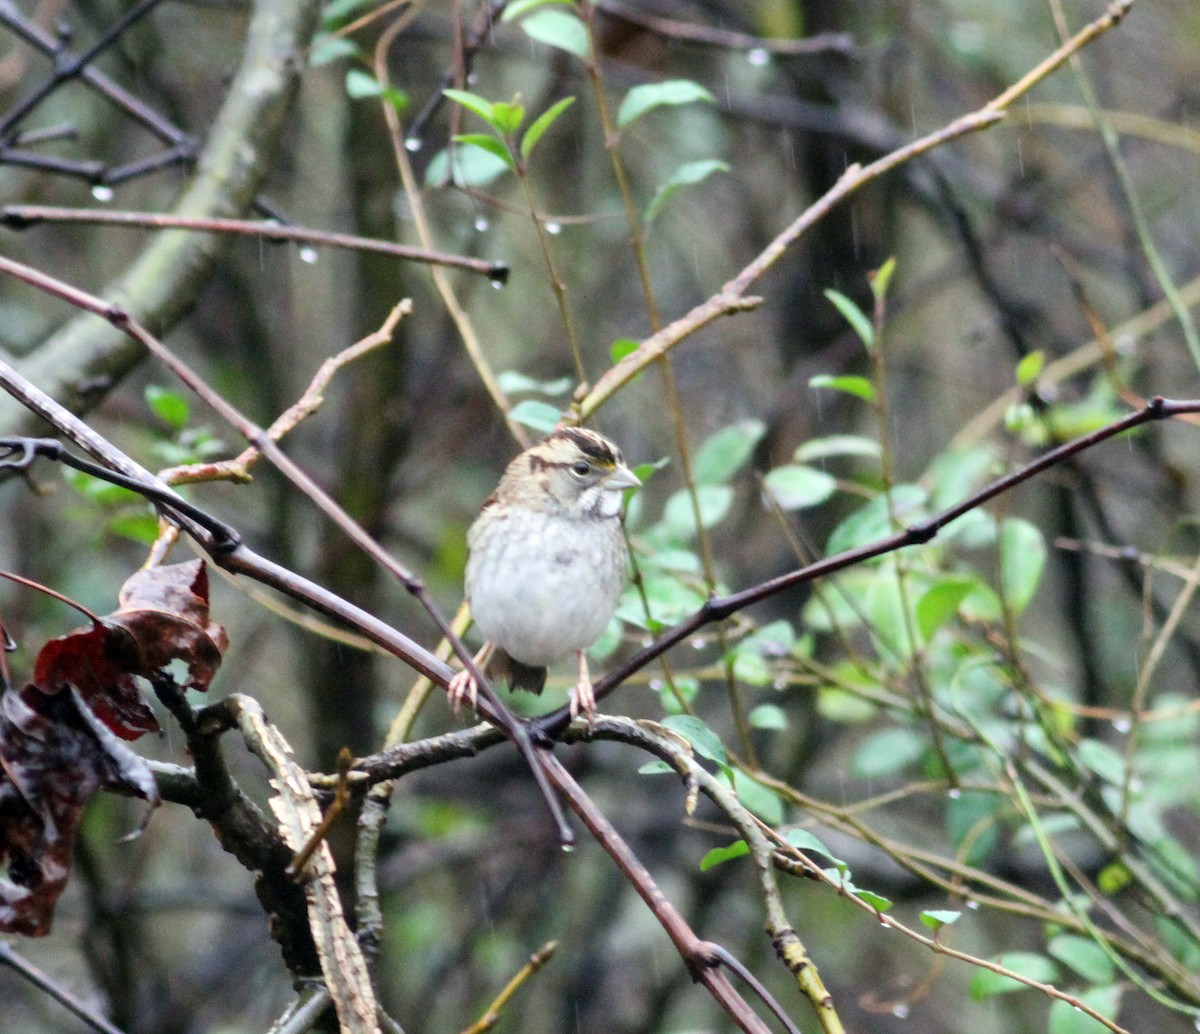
[(462, 688), (583, 700)]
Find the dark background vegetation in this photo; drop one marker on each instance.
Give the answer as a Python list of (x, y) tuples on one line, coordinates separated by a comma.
[(1023, 238)]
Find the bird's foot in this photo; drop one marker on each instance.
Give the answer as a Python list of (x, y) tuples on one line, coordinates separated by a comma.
[(583, 698)]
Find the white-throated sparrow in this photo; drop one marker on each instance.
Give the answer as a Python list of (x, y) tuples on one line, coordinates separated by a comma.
[(547, 560)]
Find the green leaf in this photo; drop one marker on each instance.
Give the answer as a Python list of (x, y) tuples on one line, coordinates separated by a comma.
[(972, 822), (560, 29), (860, 387), (1064, 1018), (1113, 878), (886, 752), (724, 453), (714, 502), (655, 768), (641, 99), (840, 705), (704, 741), (1084, 956), (985, 983), (1029, 367), (1099, 758), (871, 522), (881, 278), (793, 487), (508, 115), (836, 445), (761, 800), (686, 175), (724, 854), (1022, 558), (622, 347), (140, 527), (97, 491), (869, 897), (935, 919), (768, 716), (468, 167), (858, 320), (515, 10), (803, 840), (360, 85), (940, 603), (329, 49), (169, 406), (334, 13), (481, 106), (514, 382), (494, 147), (543, 122), (541, 416)]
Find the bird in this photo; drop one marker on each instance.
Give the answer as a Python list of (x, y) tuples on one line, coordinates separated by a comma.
[(546, 562)]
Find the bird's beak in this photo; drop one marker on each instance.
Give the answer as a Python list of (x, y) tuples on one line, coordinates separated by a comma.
[(622, 477)]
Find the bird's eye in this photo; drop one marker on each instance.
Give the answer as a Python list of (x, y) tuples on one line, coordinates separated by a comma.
[(581, 468)]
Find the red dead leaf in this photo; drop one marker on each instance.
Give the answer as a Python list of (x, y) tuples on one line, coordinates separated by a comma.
[(162, 619), (54, 755)]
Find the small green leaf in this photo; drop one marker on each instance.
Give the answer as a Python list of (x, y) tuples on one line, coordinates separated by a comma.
[(860, 387), (972, 822), (1030, 367), (714, 504), (360, 85), (704, 741), (645, 470), (514, 382), (1099, 758), (541, 416), (100, 492), (876, 901), (1084, 956), (169, 406), (622, 347), (985, 983), (473, 102), (686, 175), (761, 800), (881, 278), (329, 49), (840, 705), (768, 716), (334, 13), (140, 527), (519, 7), (486, 143), (1064, 1018), (793, 487), (940, 603), (655, 768), (1113, 878), (508, 115), (803, 840), (724, 453), (935, 919), (560, 29), (724, 854), (836, 445), (871, 521), (858, 320), (1022, 558), (543, 122), (886, 752), (641, 99)]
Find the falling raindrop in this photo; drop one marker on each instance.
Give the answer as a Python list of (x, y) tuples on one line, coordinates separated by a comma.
[(758, 56), (1122, 723), (900, 1010), (481, 223), (973, 905), (568, 848), (472, 78), (101, 192), (308, 254), (656, 685), (699, 643), (497, 282), (412, 144), (554, 228), (954, 793)]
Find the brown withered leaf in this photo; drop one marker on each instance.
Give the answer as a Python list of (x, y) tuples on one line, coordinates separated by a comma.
[(54, 755), (162, 618)]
